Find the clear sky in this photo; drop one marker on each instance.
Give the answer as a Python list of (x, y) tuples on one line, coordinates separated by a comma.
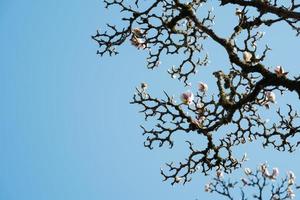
[(67, 131)]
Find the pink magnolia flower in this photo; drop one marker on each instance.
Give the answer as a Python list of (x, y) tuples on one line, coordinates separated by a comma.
[(280, 71), (187, 97), (203, 87)]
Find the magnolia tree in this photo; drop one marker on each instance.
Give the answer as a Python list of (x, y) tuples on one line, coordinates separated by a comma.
[(244, 89)]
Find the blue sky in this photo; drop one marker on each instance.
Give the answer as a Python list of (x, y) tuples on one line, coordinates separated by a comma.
[(67, 130)]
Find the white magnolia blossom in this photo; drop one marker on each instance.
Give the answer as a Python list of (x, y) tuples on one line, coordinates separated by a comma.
[(144, 86), (291, 178), (137, 32), (137, 39), (290, 193), (207, 187), (247, 56), (280, 71), (192, 171), (266, 173), (264, 170), (178, 179), (220, 174), (264, 1), (200, 118), (199, 105), (270, 96), (263, 167), (238, 12), (291, 175), (138, 42), (157, 63), (291, 181), (199, 121), (187, 97), (275, 173), (247, 171), (203, 87)]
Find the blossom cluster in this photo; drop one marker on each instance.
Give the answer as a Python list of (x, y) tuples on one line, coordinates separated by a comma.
[(188, 97), (257, 179), (270, 96), (265, 172), (138, 39)]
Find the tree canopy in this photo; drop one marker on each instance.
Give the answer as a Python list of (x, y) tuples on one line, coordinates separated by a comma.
[(245, 87)]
